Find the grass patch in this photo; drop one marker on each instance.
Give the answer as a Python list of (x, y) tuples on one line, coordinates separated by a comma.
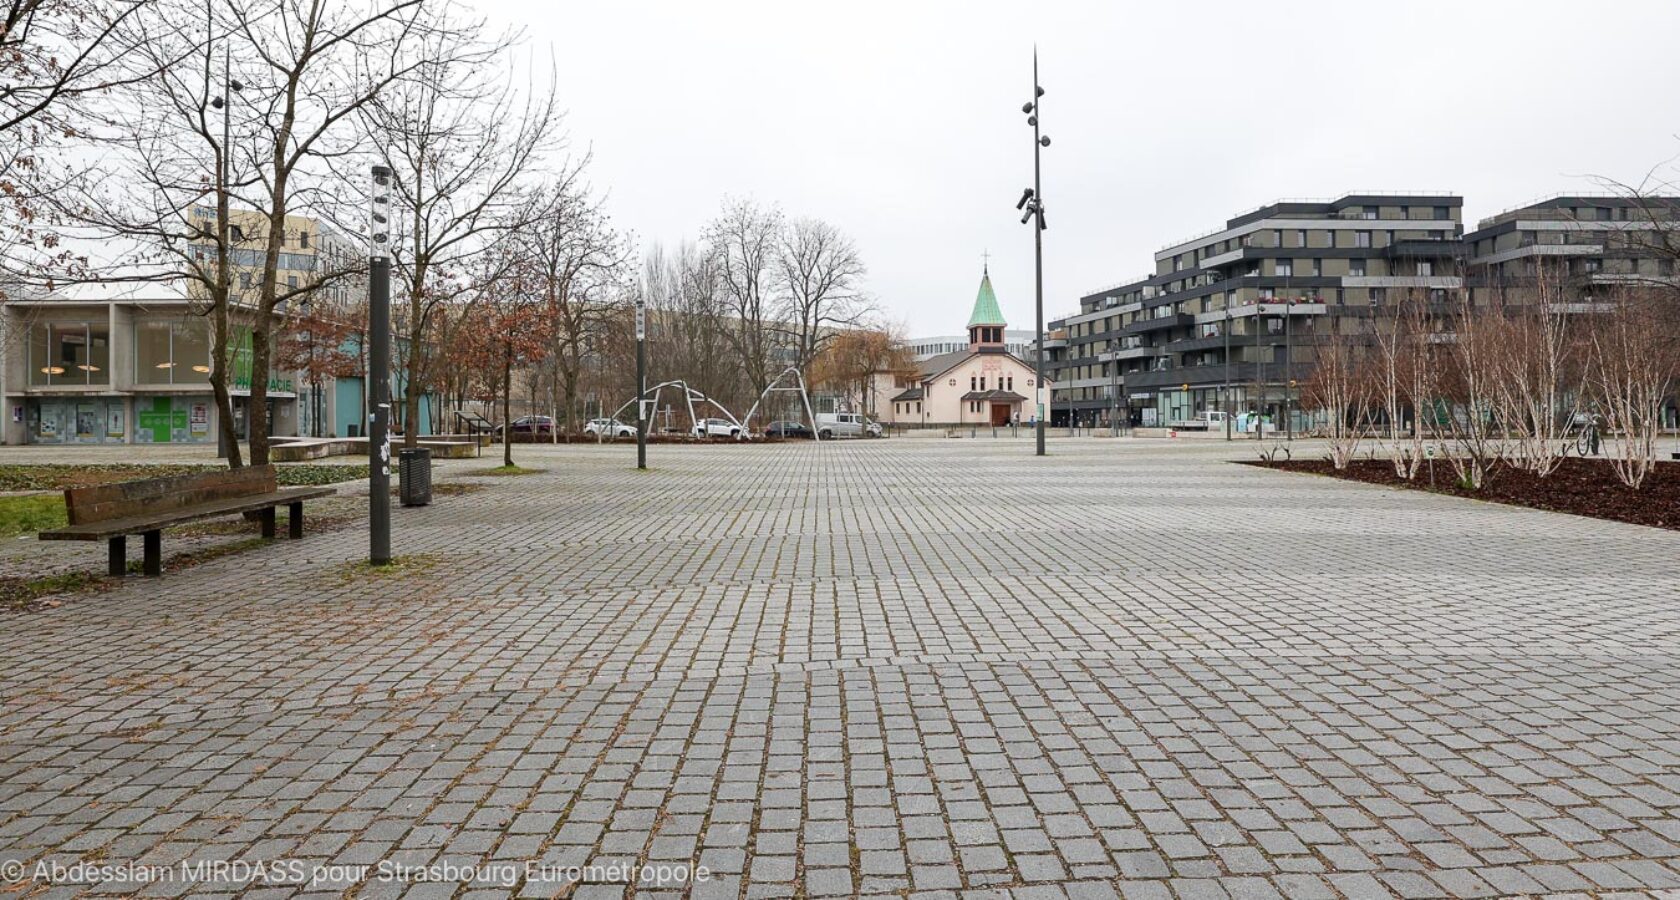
[(58, 476), (399, 566), (505, 470), (31, 513)]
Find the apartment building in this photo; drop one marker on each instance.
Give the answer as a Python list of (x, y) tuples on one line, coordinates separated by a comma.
[(1229, 319), (1595, 243)]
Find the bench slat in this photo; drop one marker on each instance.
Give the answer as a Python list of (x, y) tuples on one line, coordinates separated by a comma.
[(152, 521), (126, 499)]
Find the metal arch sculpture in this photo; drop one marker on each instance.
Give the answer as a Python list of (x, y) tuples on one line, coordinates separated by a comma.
[(690, 398), (776, 386)]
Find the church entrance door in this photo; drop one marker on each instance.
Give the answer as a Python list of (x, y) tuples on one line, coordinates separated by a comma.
[(1000, 414)]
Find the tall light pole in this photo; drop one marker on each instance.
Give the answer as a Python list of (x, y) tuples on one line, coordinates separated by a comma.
[(225, 266), (1032, 200), (1226, 400), (379, 369), (641, 383)]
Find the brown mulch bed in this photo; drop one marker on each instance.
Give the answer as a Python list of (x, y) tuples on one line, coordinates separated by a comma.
[(1583, 487)]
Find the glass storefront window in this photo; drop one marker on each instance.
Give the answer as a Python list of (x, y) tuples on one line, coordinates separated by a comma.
[(172, 352), (192, 351), (40, 368), (69, 353), (99, 353), (152, 361)]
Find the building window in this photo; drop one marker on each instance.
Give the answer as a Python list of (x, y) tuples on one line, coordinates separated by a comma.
[(1356, 268), (1362, 238), (69, 353), (1369, 212), (303, 239), (173, 352), (1425, 267), (1442, 214), (1285, 268), (1301, 238), (1317, 267), (973, 383), (1378, 296)]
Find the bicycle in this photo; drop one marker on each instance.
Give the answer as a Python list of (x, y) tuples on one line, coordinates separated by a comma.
[(1584, 438)]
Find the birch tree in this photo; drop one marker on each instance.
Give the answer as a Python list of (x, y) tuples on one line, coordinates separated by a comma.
[(466, 144)]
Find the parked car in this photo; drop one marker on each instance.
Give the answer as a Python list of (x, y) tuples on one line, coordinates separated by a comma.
[(718, 428), (787, 430), (835, 425), (612, 428), (529, 425)]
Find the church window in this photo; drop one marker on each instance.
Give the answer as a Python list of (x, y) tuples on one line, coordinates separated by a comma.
[(971, 383), (982, 382), (1010, 386)]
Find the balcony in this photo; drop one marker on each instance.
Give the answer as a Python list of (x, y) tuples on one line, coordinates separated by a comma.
[(1214, 342), (1416, 249), (1160, 323)]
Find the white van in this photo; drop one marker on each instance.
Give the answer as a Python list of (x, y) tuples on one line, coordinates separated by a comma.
[(839, 425)]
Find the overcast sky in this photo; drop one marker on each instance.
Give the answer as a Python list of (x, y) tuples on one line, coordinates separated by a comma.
[(901, 123)]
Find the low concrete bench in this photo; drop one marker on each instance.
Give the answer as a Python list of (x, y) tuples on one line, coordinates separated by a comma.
[(111, 512)]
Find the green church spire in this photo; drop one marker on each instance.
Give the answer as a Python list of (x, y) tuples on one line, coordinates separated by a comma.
[(986, 310)]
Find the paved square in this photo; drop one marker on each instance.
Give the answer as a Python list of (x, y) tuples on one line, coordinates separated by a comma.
[(903, 667)]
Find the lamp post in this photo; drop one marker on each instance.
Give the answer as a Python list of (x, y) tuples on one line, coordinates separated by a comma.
[(641, 383), (1225, 401), (225, 104), (1114, 393), (379, 366), (1259, 371), (1032, 200), (1288, 374)]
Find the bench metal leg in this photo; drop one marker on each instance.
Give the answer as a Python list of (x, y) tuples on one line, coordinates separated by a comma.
[(268, 522), (294, 520), (119, 556), (152, 565)]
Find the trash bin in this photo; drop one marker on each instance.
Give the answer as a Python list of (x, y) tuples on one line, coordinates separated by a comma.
[(414, 475)]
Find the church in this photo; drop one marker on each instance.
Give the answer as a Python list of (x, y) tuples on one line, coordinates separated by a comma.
[(982, 385)]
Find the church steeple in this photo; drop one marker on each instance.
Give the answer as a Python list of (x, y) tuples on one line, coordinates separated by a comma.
[(986, 323)]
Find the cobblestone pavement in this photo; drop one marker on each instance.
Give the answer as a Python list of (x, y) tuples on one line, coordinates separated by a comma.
[(903, 667)]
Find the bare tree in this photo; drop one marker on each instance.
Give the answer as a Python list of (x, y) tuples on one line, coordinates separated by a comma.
[(466, 145), (1538, 383), (743, 241), (818, 272), (689, 322), (576, 260), (1634, 368), (1340, 388), (55, 57), (1405, 381), (1471, 385)]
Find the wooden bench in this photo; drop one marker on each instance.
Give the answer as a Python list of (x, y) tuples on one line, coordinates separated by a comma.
[(111, 512)]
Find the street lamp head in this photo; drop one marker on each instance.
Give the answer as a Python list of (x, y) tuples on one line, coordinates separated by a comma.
[(1039, 90), (217, 102), (1025, 196), (1032, 120), (1027, 107), (1044, 141), (237, 85)]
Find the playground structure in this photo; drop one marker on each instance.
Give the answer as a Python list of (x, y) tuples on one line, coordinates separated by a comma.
[(694, 399)]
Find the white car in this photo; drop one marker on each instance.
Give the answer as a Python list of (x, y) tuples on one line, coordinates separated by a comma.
[(612, 428), (833, 425), (710, 428)]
